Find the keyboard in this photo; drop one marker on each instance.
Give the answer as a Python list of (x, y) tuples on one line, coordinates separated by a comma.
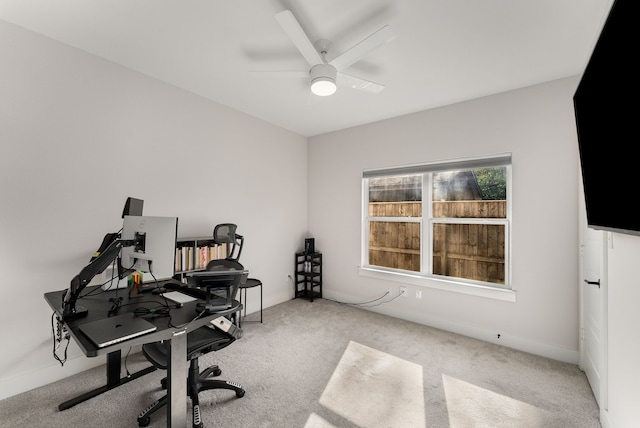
[(198, 293)]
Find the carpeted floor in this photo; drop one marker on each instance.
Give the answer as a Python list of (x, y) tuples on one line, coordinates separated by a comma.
[(323, 364), (388, 389)]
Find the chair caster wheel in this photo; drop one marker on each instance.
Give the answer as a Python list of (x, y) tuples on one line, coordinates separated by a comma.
[(144, 422), (217, 372), (239, 394)]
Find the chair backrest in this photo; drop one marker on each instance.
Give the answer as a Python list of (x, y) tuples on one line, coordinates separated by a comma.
[(225, 233), (224, 265)]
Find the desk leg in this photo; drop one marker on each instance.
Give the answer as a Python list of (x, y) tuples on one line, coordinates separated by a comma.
[(113, 380), (177, 381)]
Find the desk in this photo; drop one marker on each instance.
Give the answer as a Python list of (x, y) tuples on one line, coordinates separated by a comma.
[(98, 306)]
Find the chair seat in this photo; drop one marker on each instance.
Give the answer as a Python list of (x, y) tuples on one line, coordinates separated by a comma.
[(243, 287), (250, 283), (199, 341)]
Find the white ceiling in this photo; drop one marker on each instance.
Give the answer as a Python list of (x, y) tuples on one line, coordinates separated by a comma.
[(445, 51)]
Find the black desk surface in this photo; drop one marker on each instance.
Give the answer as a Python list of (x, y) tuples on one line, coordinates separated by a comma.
[(98, 304)]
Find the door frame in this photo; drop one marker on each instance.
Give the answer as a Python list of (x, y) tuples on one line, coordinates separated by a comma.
[(607, 243)]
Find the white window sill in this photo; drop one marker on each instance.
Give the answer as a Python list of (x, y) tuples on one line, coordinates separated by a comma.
[(441, 284)]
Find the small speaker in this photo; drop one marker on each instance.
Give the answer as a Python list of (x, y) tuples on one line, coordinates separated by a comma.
[(309, 245)]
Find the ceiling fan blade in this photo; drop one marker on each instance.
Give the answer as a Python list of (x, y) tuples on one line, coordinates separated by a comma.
[(375, 40), (281, 73), (299, 38), (358, 83)]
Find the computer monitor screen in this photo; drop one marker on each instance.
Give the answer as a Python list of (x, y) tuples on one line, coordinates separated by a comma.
[(154, 250)]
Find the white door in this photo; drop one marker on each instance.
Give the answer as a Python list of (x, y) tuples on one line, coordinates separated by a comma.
[(593, 308)]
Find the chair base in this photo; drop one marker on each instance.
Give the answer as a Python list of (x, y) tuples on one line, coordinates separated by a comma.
[(196, 383)]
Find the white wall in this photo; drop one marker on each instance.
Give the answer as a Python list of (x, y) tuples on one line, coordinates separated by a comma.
[(77, 136), (536, 125)]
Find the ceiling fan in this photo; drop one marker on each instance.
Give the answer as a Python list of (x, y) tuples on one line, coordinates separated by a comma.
[(326, 74)]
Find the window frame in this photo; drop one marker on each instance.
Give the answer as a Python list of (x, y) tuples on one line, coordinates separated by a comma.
[(425, 276)]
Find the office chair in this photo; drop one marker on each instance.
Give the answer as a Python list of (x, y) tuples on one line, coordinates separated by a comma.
[(199, 342), (225, 233)]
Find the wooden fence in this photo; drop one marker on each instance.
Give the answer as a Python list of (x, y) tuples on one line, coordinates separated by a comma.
[(471, 251)]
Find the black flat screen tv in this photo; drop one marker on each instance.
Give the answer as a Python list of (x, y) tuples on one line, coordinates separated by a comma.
[(607, 125)]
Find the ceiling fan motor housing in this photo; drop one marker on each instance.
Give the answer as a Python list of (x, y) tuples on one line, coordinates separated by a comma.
[(323, 79)]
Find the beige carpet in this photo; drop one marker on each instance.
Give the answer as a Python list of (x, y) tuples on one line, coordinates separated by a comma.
[(471, 406), (324, 365), (371, 388)]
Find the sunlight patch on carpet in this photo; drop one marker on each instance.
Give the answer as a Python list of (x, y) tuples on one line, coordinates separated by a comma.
[(469, 405), (316, 421), (371, 388)]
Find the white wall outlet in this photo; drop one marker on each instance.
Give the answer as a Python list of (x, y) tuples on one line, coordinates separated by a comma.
[(403, 291), (418, 294)]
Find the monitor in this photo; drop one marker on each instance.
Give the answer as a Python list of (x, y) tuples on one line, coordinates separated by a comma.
[(154, 250)]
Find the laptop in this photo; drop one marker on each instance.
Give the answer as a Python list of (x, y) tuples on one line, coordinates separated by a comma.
[(107, 331)]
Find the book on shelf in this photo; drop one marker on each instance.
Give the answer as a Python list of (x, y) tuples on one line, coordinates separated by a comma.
[(195, 257), (178, 260), (204, 255), (222, 251)]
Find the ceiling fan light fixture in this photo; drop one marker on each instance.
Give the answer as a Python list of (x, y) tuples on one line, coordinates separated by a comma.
[(323, 79), (323, 86)]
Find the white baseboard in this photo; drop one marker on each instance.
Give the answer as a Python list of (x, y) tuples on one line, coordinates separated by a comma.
[(27, 381)]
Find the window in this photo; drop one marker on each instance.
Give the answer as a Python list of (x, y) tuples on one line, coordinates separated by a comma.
[(446, 221)]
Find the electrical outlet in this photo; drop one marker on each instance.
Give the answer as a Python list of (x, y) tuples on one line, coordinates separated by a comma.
[(418, 294), (403, 291), (388, 290)]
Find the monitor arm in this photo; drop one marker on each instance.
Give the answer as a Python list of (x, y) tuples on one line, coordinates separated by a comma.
[(82, 279)]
